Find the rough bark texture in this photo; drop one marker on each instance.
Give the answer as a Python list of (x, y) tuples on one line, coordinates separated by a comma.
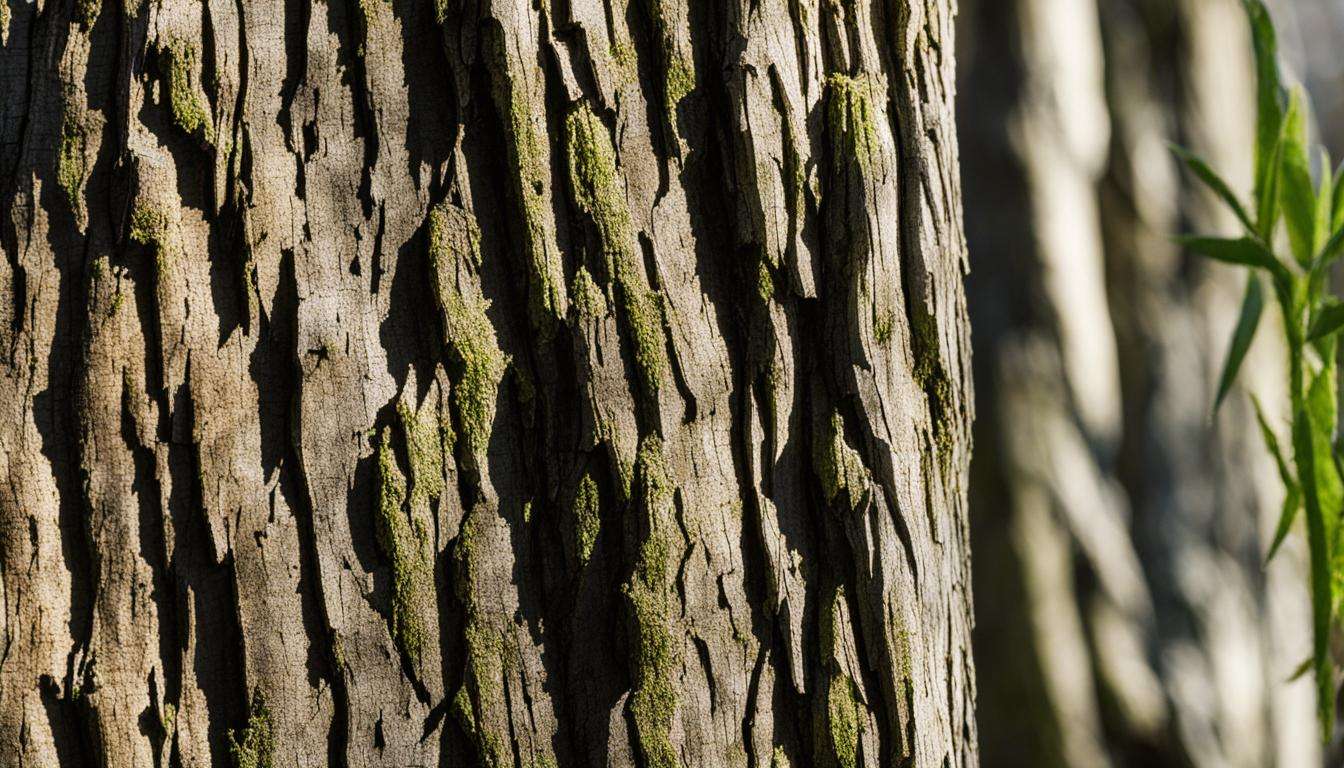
[(497, 383), (1119, 531)]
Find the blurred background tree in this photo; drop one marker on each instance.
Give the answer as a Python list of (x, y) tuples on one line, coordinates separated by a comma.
[(1124, 615)]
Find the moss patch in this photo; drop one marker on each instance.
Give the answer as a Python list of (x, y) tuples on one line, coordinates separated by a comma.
[(930, 375), (424, 451), (529, 156), (654, 701), (589, 301), (626, 65), (470, 336), (592, 165), (846, 714), (850, 120), (488, 654), (680, 80), (255, 746), (587, 518), (149, 226), (184, 95), (71, 165), (839, 466), (403, 544), (843, 713)]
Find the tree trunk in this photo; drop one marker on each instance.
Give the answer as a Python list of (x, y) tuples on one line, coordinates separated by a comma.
[(1120, 533), (483, 383)]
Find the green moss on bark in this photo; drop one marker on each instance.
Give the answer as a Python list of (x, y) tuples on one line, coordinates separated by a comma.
[(844, 711), (424, 452), (589, 301), (587, 518), (626, 64), (592, 165), (254, 747), (850, 119), (839, 467), (453, 242), (149, 226), (528, 155), (655, 698), (71, 165), (184, 95), (403, 545), (488, 654)]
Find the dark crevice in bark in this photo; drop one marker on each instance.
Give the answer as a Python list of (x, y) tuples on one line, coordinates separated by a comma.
[(350, 21)]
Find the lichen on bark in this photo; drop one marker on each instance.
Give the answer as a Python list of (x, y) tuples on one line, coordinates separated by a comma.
[(480, 364), (595, 184), (653, 703), (185, 98), (254, 746), (403, 543)]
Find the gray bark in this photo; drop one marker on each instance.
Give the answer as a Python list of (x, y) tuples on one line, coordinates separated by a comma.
[(1129, 526), (483, 383)]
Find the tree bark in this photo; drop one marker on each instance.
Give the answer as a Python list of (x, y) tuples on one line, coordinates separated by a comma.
[(483, 383), (1120, 532)]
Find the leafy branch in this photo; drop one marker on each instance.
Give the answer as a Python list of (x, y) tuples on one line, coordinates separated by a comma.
[(1312, 212)]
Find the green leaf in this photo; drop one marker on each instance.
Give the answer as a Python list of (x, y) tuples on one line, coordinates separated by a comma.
[(1297, 194), (1292, 500), (1327, 320), (1300, 670), (1325, 200), (1331, 250), (1321, 494), (1214, 182), (1267, 194), (1319, 559), (1251, 306), (1268, 94), (1244, 251), (1337, 219), (1272, 443)]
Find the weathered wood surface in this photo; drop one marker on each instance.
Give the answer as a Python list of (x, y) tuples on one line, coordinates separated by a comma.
[(482, 383)]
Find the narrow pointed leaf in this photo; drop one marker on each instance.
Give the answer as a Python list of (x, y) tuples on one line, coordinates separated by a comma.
[(1319, 567), (1251, 307), (1337, 219), (1328, 320), (1292, 502), (1268, 98), (1272, 444), (1243, 251), (1325, 200), (1267, 194), (1331, 250), (1214, 182), (1297, 194), (1300, 670)]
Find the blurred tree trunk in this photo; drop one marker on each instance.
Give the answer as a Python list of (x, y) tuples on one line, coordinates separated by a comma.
[(499, 383), (1118, 532)]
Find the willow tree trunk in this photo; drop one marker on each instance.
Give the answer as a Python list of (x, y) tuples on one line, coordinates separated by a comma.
[(482, 383), (1120, 532)]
